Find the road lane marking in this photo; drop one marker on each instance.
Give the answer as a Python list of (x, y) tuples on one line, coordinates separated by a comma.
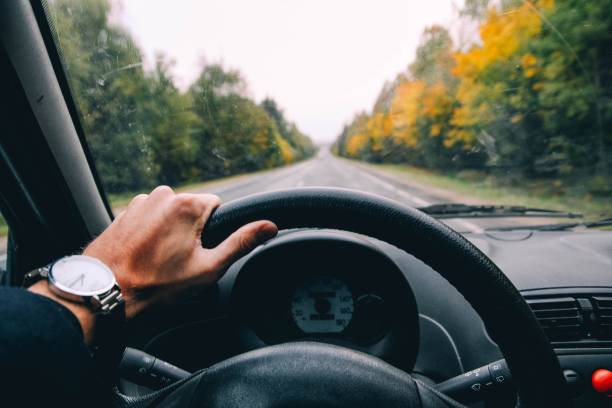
[(419, 201), (416, 200), (273, 176)]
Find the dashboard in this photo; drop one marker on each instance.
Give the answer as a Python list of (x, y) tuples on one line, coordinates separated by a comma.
[(351, 290)]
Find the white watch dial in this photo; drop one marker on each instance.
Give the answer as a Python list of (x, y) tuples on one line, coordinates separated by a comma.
[(81, 275)]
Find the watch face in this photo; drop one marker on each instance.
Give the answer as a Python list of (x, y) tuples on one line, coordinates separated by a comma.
[(81, 275)]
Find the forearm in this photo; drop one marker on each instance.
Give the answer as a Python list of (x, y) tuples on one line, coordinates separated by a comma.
[(44, 359)]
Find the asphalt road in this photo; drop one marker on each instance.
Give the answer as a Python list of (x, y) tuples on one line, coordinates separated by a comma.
[(327, 170)]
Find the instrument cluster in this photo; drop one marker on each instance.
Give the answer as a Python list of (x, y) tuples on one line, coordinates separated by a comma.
[(326, 286)]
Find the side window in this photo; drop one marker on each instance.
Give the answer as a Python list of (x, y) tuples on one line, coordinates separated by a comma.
[(3, 245)]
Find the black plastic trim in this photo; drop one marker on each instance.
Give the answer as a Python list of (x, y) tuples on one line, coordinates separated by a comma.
[(48, 35)]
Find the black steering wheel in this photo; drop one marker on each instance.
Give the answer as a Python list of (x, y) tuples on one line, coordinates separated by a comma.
[(315, 374)]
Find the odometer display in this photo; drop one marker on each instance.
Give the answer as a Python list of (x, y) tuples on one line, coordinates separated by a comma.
[(322, 304)]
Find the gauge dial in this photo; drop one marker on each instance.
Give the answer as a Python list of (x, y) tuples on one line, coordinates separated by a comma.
[(322, 304), (371, 318)]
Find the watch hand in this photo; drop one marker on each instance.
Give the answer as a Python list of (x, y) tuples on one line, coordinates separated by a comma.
[(80, 278)]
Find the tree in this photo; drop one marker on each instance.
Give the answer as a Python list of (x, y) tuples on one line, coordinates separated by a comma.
[(496, 95), (169, 124), (105, 71), (142, 129), (574, 78), (299, 144), (434, 59)]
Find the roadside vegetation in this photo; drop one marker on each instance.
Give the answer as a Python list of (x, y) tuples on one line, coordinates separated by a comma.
[(143, 130), (479, 186), (3, 226), (525, 104)]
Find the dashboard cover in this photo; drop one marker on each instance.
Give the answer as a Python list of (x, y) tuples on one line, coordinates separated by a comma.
[(545, 260)]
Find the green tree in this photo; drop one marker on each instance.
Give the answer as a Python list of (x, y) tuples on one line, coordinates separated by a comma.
[(169, 125), (234, 134), (301, 144), (106, 76), (142, 129), (574, 84)]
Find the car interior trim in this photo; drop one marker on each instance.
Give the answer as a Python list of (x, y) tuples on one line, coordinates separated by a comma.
[(26, 50)]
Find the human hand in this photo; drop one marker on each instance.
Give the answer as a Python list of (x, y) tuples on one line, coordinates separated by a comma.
[(154, 247)]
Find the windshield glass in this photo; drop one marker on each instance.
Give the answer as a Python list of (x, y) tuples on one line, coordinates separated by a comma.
[(476, 102)]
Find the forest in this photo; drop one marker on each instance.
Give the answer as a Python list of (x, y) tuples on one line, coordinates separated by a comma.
[(142, 130), (529, 98)]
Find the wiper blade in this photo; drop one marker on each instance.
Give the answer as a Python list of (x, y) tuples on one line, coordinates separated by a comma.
[(557, 227), (454, 210)]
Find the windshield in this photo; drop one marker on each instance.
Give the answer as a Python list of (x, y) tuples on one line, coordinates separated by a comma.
[(479, 102)]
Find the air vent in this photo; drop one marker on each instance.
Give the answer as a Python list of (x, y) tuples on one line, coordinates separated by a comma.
[(560, 318), (603, 315)]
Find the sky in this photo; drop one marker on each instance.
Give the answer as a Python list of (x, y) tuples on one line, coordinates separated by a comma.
[(321, 60)]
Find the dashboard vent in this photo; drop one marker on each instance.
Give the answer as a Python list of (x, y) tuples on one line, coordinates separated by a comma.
[(603, 315), (560, 318)]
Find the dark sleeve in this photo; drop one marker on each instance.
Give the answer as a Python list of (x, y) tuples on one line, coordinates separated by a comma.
[(43, 359)]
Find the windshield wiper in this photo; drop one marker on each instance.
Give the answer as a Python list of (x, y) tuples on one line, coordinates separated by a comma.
[(557, 227), (454, 210)]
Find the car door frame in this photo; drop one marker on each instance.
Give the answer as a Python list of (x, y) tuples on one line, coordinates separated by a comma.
[(50, 193)]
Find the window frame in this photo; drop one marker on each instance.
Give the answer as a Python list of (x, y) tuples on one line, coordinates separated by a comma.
[(51, 196)]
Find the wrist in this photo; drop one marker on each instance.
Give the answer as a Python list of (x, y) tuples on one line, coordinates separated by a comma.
[(85, 316)]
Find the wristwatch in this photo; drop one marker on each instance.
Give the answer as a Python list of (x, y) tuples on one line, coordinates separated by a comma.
[(88, 281), (81, 279)]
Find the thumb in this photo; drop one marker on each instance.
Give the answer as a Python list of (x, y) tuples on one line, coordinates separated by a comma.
[(240, 243)]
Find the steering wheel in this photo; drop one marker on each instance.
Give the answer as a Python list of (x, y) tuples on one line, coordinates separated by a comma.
[(316, 374)]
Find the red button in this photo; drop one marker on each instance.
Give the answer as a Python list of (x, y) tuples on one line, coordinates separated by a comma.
[(602, 381)]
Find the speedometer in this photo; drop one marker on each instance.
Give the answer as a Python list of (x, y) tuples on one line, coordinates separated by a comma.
[(322, 304)]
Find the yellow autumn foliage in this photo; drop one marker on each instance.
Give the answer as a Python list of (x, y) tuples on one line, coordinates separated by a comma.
[(285, 149), (356, 143), (405, 111), (529, 60), (503, 33), (435, 130), (378, 127), (464, 99)]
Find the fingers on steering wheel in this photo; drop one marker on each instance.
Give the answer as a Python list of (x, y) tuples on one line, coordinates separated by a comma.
[(241, 242), (197, 207)]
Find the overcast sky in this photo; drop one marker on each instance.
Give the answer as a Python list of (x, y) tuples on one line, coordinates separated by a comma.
[(322, 60)]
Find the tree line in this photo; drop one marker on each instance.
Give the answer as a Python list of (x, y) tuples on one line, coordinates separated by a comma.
[(142, 130), (530, 97)]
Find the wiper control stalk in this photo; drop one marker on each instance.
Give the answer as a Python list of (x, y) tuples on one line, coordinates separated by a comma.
[(479, 383), (144, 369)]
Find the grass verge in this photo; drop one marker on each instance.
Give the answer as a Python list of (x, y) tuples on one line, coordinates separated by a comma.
[(533, 193), (3, 227)]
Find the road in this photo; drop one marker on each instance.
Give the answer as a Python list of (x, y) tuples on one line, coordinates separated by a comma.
[(327, 170)]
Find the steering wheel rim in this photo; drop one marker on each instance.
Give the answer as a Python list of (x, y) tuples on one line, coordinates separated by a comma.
[(505, 313)]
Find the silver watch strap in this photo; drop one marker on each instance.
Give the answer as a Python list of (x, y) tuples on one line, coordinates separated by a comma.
[(108, 301)]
